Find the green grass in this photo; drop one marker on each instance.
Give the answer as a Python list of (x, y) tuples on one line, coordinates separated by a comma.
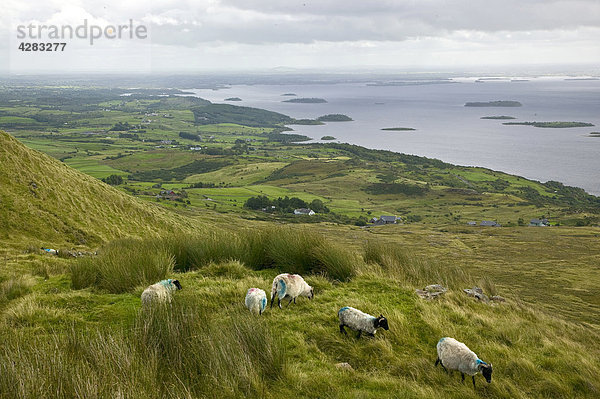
[(238, 175), (93, 167), (168, 352), (126, 264), (123, 265), (206, 344), (41, 197)]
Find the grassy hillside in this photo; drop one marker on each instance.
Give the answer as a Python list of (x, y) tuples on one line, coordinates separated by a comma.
[(95, 342), (47, 202)]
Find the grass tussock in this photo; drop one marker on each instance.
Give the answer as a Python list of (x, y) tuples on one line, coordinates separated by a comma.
[(127, 263), (395, 261), (172, 351), (15, 287), (123, 265)]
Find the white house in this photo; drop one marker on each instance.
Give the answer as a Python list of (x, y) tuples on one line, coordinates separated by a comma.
[(304, 211)]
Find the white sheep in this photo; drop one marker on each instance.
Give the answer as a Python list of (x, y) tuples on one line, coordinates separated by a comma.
[(455, 355), (360, 321), (160, 292), (50, 251), (256, 300), (290, 286)]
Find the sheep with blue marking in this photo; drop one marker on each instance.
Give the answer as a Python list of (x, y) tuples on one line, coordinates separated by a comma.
[(360, 321), (455, 355), (290, 286), (50, 251), (160, 292), (256, 300)]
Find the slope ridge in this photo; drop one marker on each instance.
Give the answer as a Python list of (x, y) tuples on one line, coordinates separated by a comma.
[(46, 200)]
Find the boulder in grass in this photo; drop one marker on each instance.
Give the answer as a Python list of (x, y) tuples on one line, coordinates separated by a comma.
[(432, 291), (477, 293)]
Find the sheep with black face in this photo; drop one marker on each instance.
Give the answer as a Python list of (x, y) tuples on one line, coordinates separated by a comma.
[(160, 292), (360, 321), (455, 355)]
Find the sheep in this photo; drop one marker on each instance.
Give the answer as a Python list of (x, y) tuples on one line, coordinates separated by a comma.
[(50, 251), (455, 355), (160, 291), (256, 300), (360, 321), (290, 285)]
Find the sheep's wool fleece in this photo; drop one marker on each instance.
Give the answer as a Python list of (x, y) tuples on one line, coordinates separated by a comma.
[(160, 291), (293, 285), (357, 320), (457, 356), (256, 300)]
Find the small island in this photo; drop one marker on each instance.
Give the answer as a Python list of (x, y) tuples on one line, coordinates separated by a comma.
[(554, 125), (325, 138), (233, 99), (289, 94), (503, 103), (498, 117), (398, 129), (306, 122), (311, 100), (334, 118)]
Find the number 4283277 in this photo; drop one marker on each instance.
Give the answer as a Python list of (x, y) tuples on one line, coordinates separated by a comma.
[(42, 46)]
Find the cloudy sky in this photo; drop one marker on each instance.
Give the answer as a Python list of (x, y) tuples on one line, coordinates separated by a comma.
[(229, 35)]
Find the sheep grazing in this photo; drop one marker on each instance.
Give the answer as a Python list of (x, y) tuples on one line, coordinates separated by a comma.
[(455, 355), (160, 292), (360, 321), (50, 251), (290, 286), (256, 300)]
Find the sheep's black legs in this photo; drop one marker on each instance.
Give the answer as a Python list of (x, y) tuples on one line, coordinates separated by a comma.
[(441, 364), (279, 302), (463, 376), (359, 334), (291, 299), (272, 300), (294, 301), (343, 330), (473, 381)]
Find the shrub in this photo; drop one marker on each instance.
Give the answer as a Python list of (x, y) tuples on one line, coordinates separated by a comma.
[(113, 180)]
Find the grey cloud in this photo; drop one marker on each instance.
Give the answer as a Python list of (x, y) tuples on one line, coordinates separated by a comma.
[(261, 21)]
